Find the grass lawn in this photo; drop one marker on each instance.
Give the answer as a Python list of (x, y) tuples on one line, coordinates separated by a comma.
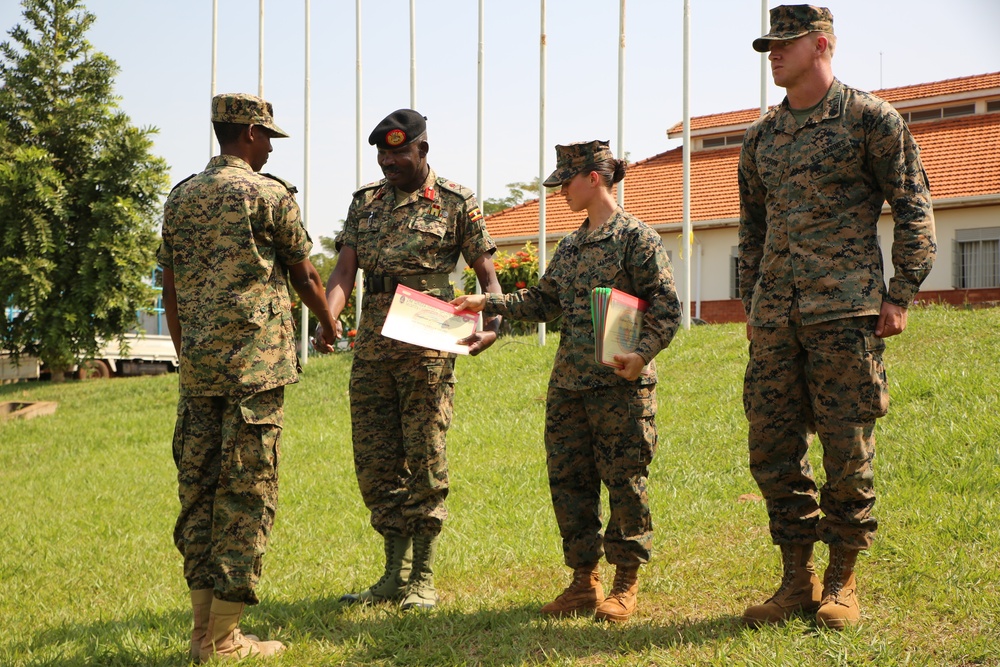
[(89, 574)]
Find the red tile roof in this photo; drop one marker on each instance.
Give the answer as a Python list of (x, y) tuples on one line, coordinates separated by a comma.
[(961, 156), (965, 84)]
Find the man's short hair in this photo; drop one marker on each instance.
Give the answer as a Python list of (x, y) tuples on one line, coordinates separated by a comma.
[(227, 133)]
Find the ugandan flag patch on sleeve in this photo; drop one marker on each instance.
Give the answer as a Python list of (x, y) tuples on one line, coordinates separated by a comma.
[(475, 215)]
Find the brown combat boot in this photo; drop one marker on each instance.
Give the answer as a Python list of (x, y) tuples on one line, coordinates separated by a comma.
[(618, 606), (839, 607), (582, 595), (800, 589), (223, 638)]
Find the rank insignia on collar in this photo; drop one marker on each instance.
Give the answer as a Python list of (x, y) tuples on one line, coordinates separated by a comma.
[(429, 193)]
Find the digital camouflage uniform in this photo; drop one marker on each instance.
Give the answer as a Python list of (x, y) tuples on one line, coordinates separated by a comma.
[(599, 426), (812, 286), (402, 394), (227, 234)]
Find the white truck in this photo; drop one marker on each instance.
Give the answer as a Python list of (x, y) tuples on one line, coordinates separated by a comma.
[(149, 351)]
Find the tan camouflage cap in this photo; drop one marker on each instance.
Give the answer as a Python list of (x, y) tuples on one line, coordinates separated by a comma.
[(794, 21), (245, 109), (571, 159)]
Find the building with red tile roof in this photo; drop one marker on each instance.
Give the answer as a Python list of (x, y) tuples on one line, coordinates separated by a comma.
[(957, 125)]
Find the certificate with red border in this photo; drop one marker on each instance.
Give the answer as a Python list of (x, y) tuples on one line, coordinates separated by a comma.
[(421, 319)]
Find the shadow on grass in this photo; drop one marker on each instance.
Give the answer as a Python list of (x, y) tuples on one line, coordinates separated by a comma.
[(509, 635), (324, 631)]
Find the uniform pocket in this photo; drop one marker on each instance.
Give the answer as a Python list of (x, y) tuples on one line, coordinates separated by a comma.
[(180, 428), (430, 224), (642, 410), (876, 403), (439, 371), (259, 440)]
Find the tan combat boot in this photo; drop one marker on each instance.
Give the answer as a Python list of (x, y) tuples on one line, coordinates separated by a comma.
[(839, 607), (223, 638), (800, 589), (618, 606), (582, 595), (391, 587), (201, 605)]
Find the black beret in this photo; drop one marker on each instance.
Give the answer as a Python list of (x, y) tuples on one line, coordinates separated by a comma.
[(398, 129)]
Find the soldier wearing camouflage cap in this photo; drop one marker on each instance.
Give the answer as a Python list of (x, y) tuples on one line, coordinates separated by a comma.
[(231, 238), (600, 421), (814, 173), (407, 229)]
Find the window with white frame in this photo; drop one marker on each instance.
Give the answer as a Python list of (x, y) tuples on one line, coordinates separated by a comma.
[(977, 258)]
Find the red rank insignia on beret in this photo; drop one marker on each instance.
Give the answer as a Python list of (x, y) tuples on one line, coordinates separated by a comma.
[(395, 137)]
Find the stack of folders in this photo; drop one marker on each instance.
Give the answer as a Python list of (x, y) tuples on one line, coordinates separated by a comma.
[(617, 318)]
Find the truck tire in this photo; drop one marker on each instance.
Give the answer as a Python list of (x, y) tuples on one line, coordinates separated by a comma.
[(93, 369)]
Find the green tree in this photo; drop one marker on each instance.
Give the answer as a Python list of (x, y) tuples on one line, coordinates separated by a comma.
[(80, 192), (515, 196), (325, 261)]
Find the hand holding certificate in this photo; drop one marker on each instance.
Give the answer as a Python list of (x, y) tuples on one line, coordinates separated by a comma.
[(617, 319), (421, 319)]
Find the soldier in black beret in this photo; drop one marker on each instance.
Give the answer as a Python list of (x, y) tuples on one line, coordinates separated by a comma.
[(407, 229), (398, 129)]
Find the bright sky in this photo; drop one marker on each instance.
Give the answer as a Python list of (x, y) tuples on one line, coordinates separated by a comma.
[(164, 51)]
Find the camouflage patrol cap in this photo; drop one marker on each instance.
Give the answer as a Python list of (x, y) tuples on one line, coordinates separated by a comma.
[(245, 109), (794, 21), (571, 159), (399, 128)]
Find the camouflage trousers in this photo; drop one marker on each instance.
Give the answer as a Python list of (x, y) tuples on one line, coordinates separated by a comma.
[(601, 435), (825, 379), (400, 413), (227, 451)]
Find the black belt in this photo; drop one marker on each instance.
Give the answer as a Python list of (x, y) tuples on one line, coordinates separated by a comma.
[(422, 283)]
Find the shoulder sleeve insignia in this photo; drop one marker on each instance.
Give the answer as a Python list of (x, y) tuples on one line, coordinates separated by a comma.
[(475, 215)]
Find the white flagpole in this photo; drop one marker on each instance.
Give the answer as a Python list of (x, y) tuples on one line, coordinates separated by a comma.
[(479, 109), (763, 58), (359, 289), (686, 224), (480, 81), (260, 51), (305, 180), (541, 159), (413, 54), (621, 96), (215, 61)]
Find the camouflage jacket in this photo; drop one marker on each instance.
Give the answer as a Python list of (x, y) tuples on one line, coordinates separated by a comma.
[(623, 253), (421, 234), (810, 199), (228, 233)]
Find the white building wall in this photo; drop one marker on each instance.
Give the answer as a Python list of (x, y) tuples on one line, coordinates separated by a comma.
[(715, 247)]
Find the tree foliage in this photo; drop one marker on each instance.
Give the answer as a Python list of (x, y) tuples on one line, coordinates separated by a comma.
[(325, 261), (515, 196), (80, 192)]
